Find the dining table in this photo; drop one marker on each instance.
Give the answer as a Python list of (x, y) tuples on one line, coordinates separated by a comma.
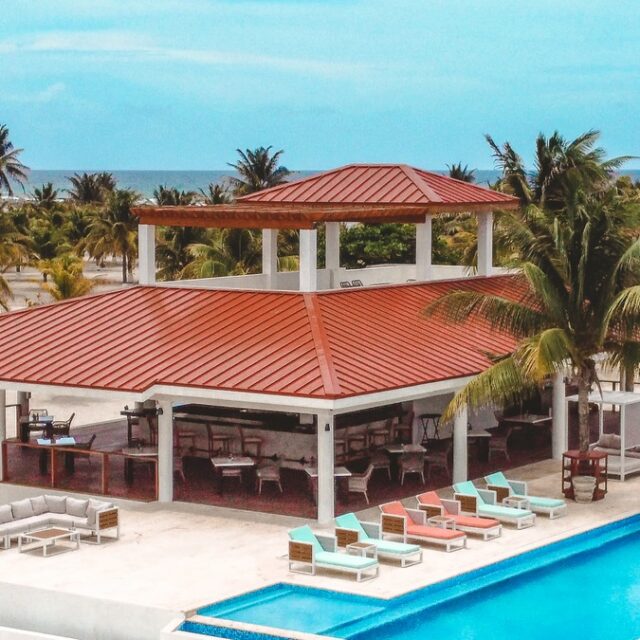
[(144, 454), (341, 476), (36, 423), (221, 463)]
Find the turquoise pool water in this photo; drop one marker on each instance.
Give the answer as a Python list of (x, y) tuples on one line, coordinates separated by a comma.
[(588, 583)]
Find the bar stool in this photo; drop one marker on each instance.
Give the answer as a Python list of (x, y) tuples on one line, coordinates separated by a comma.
[(245, 441), (425, 418), (180, 435), (403, 431), (379, 435), (357, 438), (218, 442)]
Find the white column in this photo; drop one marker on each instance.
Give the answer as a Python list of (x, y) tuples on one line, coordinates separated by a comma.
[(460, 455), (485, 243), (165, 452), (326, 457), (559, 418), (3, 425), (270, 256), (146, 254), (332, 251), (308, 260), (424, 249)]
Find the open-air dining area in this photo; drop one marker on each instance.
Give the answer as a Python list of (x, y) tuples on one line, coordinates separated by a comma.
[(267, 461)]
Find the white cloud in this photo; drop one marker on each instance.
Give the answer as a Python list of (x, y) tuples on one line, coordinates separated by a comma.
[(48, 94), (137, 46)]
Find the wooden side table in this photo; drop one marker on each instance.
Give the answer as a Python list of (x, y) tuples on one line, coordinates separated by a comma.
[(363, 549), (590, 463)]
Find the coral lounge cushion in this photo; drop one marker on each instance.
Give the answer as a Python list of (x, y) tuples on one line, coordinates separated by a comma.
[(420, 530), (431, 497)]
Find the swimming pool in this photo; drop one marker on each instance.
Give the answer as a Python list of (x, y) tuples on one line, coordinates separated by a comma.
[(589, 583)]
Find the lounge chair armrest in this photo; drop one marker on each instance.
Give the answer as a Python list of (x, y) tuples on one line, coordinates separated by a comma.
[(431, 509), (489, 497), (500, 491), (452, 507), (392, 524), (327, 542), (418, 516), (300, 551), (519, 487), (345, 536), (372, 529), (468, 503), (107, 518)]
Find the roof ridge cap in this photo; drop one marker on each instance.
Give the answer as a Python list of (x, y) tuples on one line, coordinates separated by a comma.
[(321, 343), (419, 182)]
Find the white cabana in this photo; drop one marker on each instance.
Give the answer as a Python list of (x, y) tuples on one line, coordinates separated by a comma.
[(624, 453)]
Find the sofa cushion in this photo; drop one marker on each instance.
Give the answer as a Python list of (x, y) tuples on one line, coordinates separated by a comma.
[(56, 504), (6, 515), (22, 509), (66, 521), (609, 441), (93, 508), (77, 507), (39, 505)]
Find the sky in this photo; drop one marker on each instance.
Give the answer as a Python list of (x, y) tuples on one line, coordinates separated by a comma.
[(180, 84)]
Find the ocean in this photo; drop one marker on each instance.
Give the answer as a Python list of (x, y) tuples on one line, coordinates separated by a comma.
[(144, 182)]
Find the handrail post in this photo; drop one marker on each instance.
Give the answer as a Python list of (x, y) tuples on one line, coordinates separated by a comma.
[(105, 473), (53, 467), (5, 461)]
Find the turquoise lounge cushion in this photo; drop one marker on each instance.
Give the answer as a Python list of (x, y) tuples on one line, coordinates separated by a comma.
[(545, 503), (466, 488), (344, 560), (496, 511), (394, 548), (304, 534), (497, 479), (350, 521)]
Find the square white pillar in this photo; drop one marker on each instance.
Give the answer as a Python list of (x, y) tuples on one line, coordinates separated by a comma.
[(485, 243), (332, 251), (559, 417), (308, 260), (460, 453), (165, 452), (326, 458), (146, 254), (270, 256), (424, 249)]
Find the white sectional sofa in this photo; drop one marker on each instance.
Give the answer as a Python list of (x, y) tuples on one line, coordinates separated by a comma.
[(93, 517)]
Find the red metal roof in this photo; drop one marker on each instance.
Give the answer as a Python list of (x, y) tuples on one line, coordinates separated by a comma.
[(381, 184), (321, 345)]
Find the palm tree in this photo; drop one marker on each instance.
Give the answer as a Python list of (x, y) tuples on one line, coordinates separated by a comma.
[(67, 280), (458, 172), (557, 161), (173, 254), (113, 231), (215, 194), (11, 169), (91, 188), (167, 196), (45, 197), (258, 170), (581, 269)]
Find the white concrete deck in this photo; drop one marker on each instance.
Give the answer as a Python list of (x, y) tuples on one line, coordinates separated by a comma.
[(172, 559)]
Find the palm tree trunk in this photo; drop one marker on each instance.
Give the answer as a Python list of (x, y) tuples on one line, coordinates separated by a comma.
[(583, 410), (124, 268), (629, 378)]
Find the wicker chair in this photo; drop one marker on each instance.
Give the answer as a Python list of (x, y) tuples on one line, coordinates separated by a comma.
[(82, 449), (380, 460), (379, 433), (359, 482), (499, 442), (438, 458), (269, 472), (411, 461), (62, 427), (178, 463)]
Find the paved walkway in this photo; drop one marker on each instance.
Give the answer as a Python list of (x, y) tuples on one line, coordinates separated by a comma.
[(185, 556)]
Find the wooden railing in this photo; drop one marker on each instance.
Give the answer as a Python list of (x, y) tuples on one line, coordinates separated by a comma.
[(55, 453)]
